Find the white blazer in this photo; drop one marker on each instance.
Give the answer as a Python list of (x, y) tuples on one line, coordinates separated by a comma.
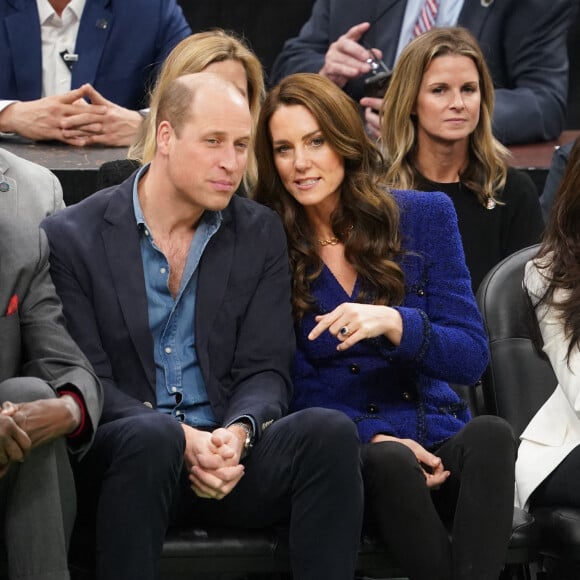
[(555, 429), (27, 190)]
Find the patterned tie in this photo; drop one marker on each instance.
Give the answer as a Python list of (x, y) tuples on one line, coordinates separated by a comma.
[(426, 20)]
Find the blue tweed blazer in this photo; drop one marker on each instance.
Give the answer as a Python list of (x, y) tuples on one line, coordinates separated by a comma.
[(404, 390)]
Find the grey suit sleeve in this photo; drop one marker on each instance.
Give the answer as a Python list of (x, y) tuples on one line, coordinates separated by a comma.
[(532, 105), (57, 194), (48, 350)]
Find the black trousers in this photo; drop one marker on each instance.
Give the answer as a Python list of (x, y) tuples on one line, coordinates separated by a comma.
[(304, 472), (476, 503), (561, 487)]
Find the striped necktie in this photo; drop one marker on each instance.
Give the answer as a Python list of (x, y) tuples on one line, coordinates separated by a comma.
[(426, 20)]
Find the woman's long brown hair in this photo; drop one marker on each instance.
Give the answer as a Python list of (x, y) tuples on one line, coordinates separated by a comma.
[(367, 219), (559, 255)]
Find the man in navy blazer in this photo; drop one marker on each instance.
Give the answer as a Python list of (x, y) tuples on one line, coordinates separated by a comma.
[(524, 42), (178, 291), (119, 45)]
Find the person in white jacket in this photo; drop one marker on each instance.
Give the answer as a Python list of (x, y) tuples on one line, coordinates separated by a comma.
[(548, 464)]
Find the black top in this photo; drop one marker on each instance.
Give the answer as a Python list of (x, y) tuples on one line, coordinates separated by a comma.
[(490, 235)]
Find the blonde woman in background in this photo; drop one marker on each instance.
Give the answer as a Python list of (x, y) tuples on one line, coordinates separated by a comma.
[(437, 135), (215, 51)]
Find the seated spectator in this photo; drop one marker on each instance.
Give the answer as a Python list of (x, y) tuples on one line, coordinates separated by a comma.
[(56, 53), (48, 391), (436, 136), (385, 318), (524, 45), (178, 291), (27, 190), (548, 461), (557, 167)]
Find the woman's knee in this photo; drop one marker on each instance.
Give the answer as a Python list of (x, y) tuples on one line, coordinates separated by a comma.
[(25, 389), (491, 433)]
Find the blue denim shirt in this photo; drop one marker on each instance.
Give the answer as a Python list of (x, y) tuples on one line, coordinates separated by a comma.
[(180, 387)]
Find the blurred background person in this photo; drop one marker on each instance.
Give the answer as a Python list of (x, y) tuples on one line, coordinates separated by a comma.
[(524, 43), (55, 52), (557, 167), (436, 136)]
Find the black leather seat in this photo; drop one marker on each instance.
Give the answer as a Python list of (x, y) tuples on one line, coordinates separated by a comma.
[(518, 381), (221, 550)]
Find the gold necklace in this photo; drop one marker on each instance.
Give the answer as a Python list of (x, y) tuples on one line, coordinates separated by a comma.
[(334, 240), (330, 242)]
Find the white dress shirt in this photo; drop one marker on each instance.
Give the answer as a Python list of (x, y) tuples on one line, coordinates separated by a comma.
[(58, 33)]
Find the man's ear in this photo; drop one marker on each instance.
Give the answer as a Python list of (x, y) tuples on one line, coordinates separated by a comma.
[(165, 134)]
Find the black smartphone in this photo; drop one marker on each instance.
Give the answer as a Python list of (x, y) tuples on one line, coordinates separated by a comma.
[(377, 84)]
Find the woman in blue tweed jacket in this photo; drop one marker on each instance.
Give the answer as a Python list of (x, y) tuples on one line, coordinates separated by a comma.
[(385, 319)]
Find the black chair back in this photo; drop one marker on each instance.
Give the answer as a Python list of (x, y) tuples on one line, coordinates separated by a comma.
[(518, 380)]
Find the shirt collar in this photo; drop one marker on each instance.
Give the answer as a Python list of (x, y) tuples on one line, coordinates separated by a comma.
[(46, 11)]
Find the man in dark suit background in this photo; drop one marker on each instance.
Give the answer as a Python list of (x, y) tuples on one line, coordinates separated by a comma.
[(54, 52), (178, 291), (48, 392), (524, 43)]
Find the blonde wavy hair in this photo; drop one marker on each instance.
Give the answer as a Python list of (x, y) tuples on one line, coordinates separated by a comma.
[(487, 167), (193, 54)]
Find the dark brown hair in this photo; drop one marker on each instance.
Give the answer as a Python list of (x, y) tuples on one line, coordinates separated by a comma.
[(367, 219), (559, 255)]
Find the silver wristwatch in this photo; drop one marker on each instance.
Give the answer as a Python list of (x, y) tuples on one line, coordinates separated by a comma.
[(249, 442)]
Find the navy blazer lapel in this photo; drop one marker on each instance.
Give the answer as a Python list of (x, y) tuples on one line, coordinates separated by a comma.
[(214, 272), (94, 29), (474, 14), (23, 31), (121, 241)]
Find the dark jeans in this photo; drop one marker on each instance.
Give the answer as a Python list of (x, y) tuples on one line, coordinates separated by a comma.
[(476, 501), (304, 472)]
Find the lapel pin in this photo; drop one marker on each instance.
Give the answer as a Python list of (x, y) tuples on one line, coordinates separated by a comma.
[(4, 186), (486, 3), (102, 24)]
